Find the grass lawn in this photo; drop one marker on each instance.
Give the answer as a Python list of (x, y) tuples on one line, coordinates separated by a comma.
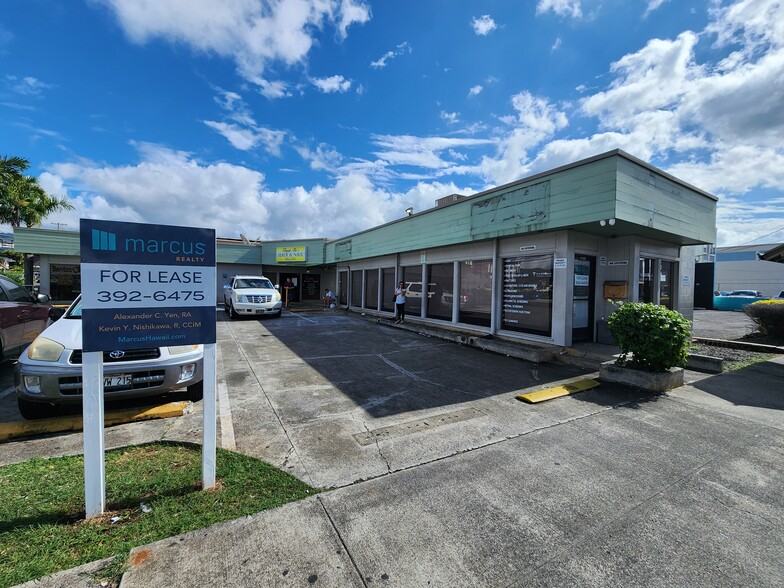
[(152, 492)]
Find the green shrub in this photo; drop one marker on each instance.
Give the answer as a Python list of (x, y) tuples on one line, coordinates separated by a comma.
[(657, 338), (768, 315)]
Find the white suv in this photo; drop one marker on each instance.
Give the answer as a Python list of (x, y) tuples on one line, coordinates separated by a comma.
[(251, 295)]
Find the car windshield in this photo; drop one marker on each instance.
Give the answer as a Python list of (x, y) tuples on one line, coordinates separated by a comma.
[(75, 311), (743, 293), (252, 283)]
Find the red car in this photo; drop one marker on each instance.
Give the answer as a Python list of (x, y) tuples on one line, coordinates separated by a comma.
[(22, 318)]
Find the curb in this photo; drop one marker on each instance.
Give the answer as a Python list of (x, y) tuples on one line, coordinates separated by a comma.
[(742, 345), (74, 423)]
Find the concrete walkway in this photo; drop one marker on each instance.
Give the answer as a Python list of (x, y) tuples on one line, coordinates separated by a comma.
[(679, 490)]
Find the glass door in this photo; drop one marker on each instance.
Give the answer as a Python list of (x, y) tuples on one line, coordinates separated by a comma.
[(583, 297)]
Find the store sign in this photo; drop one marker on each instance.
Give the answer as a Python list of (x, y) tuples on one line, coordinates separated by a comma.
[(146, 285), (289, 254)]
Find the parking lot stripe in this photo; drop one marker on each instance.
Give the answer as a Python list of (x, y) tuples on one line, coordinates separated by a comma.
[(224, 411), (7, 391), (557, 392)]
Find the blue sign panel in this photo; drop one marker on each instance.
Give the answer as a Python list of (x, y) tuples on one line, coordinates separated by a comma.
[(146, 285)]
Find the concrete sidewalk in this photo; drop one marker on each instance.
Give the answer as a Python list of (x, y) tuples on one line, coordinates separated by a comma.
[(678, 490)]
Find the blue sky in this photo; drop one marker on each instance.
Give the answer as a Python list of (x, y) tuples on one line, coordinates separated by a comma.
[(319, 118)]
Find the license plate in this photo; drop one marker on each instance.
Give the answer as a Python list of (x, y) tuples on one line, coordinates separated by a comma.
[(260, 311), (119, 380)]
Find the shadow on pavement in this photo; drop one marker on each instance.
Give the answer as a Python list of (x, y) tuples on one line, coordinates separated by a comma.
[(760, 385)]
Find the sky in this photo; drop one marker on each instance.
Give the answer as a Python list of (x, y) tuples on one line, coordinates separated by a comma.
[(291, 119)]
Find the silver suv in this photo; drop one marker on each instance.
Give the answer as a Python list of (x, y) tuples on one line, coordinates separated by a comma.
[(251, 295)]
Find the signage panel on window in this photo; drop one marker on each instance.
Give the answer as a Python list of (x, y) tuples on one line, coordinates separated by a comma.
[(527, 294)]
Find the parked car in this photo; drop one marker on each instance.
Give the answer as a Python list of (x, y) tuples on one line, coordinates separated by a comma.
[(751, 293), (251, 295), (779, 296), (414, 290), (721, 293), (22, 317), (49, 373)]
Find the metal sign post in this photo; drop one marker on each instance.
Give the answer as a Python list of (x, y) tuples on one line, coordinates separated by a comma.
[(143, 286)]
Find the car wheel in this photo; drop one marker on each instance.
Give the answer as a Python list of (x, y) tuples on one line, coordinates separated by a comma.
[(225, 306), (233, 313), (35, 410), (195, 392)]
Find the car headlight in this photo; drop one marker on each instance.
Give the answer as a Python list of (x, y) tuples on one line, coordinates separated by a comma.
[(238, 297), (180, 349), (276, 297), (43, 349)]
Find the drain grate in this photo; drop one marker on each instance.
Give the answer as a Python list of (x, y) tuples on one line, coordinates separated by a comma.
[(410, 427)]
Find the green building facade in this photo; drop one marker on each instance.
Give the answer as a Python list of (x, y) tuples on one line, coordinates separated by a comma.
[(540, 259)]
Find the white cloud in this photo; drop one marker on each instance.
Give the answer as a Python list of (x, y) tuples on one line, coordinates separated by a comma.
[(27, 86), (253, 33), (475, 90), (560, 7), (653, 5), (242, 131), (484, 25), (323, 157), (420, 151), (401, 49), (172, 187), (332, 84), (450, 117), (248, 138), (272, 89), (556, 45), (166, 187)]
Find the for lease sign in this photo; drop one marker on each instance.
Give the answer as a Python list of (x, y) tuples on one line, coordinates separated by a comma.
[(146, 285)]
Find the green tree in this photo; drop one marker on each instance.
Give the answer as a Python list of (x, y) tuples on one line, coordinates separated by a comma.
[(22, 199)]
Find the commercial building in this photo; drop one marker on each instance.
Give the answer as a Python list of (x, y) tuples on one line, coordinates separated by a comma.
[(541, 258)]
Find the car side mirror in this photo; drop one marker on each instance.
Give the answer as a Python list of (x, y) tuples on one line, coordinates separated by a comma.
[(227, 286), (277, 286), (43, 298), (55, 313)]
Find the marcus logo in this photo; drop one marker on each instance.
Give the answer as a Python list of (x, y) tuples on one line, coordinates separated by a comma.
[(104, 241)]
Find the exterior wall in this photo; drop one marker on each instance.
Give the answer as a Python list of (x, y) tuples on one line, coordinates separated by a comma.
[(653, 200), (765, 276)]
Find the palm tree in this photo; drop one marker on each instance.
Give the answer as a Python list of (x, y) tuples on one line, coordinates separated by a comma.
[(22, 199), (12, 167)]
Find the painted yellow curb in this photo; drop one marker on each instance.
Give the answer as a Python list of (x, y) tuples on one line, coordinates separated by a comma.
[(557, 392), (74, 423)]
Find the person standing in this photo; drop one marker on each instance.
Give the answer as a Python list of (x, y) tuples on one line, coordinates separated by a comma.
[(287, 286), (400, 303)]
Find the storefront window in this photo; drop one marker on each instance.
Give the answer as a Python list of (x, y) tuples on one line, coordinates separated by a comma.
[(665, 284), (440, 291), (527, 301), (371, 289), (388, 289), (356, 288), (476, 290), (412, 276), (645, 282), (64, 281)]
